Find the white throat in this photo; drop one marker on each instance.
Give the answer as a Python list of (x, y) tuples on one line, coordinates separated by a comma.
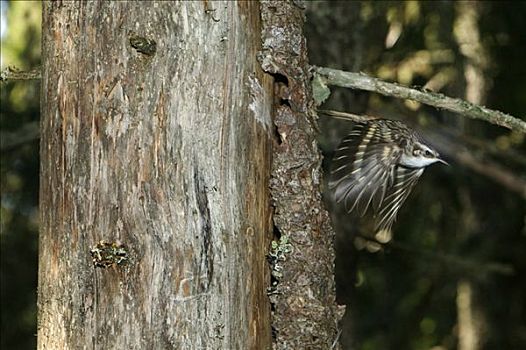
[(416, 162)]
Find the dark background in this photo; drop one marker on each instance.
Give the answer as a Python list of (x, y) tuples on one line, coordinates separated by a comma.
[(457, 263)]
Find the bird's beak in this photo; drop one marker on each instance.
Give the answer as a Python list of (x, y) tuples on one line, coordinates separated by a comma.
[(442, 161)]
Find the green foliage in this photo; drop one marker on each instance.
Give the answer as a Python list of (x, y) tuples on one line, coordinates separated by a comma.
[(21, 46)]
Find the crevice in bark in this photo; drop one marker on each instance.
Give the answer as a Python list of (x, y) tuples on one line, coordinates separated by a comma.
[(276, 233), (280, 78), (206, 268), (277, 136), (284, 102)]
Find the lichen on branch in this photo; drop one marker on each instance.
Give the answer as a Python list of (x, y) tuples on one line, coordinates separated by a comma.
[(328, 76)]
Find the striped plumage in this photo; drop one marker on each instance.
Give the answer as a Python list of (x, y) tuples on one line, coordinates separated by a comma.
[(375, 167)]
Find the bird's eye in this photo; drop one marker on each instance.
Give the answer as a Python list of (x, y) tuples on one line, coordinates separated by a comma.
[(428, 153)]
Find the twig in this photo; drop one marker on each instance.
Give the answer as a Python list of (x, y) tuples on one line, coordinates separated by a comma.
[(346, 116), (364, 82), (335, 342), (13, 74)]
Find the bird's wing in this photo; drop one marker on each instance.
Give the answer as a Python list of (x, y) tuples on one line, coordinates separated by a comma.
[(403, 182), (362, 169)]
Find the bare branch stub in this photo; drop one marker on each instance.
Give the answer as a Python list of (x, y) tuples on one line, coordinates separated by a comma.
[(14, 74)]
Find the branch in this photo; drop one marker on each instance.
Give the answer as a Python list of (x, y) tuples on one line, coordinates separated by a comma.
[(361, 81), (13, 74)]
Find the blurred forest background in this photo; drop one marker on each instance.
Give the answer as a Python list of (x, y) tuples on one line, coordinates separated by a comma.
[(453, 278), (19, 164)]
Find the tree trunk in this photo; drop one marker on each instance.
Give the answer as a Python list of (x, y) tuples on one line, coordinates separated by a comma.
[(156, 139), (305, 314)]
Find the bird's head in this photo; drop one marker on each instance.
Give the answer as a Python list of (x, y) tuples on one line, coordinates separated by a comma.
[(419, 155)]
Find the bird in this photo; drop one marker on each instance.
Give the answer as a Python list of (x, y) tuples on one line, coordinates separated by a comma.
[(376, 166)]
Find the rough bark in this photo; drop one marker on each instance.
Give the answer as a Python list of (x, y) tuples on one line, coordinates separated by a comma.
[(305, 314), (156, 138)]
